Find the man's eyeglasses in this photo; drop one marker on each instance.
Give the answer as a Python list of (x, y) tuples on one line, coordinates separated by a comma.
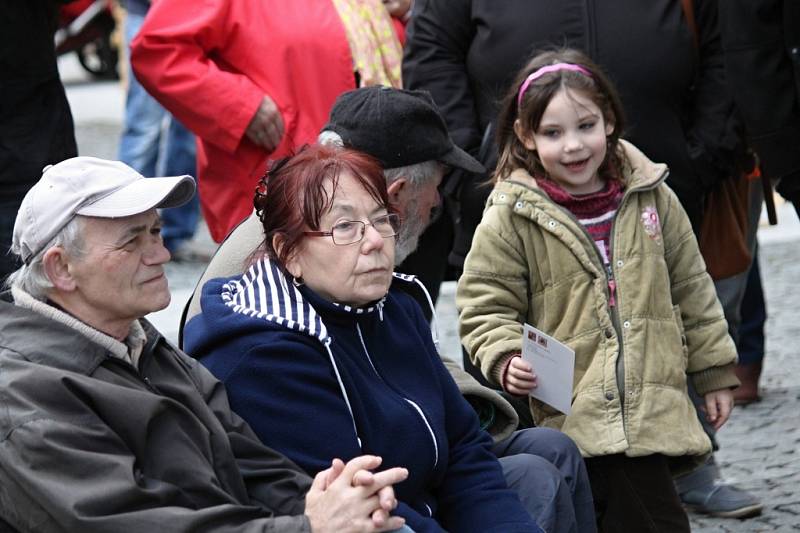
[(352, 231)]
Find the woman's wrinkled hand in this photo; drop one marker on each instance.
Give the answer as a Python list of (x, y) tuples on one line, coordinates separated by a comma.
[(349, 498)]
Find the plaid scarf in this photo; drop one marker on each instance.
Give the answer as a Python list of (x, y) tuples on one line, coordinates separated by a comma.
[(374, 45), (595, 211)]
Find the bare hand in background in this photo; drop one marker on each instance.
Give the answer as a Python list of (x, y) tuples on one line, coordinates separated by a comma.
[(719, 404), (266, 126)]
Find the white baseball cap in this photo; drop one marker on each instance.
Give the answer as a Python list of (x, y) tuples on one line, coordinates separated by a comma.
[(91, 187)]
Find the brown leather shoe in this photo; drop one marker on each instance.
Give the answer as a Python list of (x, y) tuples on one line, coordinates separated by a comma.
[(747, 392)]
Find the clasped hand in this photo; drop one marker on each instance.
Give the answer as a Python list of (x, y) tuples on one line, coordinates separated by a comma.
[(350, 498)]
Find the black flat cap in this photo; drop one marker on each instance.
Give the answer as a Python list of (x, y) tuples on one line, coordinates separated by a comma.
[(396, 126)]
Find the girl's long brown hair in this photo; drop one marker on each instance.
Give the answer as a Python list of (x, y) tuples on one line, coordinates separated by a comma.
[(596, 87)]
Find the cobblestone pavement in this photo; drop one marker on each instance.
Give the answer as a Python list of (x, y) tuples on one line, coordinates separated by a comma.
[(760, 445)]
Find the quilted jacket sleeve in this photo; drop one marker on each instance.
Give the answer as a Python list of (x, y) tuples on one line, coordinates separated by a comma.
[(492, 295), (712, 353)]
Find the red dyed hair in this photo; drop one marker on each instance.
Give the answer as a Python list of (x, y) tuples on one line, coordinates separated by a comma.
[(291, 197)]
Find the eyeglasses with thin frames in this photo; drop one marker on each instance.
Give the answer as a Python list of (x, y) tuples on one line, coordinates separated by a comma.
[(353, 231)]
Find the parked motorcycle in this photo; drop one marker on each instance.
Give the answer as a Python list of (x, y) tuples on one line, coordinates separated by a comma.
[(85, 27)]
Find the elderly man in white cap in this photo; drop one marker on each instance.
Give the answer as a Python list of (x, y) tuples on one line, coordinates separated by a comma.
[(107, 427)]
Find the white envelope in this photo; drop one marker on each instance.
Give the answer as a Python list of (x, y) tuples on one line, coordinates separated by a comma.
[(554, 366)]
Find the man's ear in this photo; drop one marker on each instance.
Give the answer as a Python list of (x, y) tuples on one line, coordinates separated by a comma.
[(524, 136), (292, 266), (398, 194), (56, 268)]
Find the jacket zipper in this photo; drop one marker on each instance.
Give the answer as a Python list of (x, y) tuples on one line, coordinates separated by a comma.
[(135, 371), (411, 402), (614, 310), (611, 299)]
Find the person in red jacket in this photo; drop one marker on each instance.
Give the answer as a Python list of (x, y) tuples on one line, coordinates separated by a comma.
[(254, 80)]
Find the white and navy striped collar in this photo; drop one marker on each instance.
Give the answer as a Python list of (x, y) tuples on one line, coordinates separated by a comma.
[(264, 291)]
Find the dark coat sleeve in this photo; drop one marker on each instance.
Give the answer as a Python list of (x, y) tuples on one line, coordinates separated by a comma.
[(761, 39), (272, 480), (714, 132), (439, 37), (84, 479)]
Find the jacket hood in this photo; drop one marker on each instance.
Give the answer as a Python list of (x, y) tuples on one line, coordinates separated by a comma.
[(265, 291)]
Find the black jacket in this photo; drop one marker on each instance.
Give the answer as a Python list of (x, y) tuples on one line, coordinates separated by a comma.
[(90, 443), (761, 39), (36, 127), (467, 52)]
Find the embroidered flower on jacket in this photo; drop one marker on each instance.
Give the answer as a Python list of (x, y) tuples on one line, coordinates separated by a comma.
[(651, 223)]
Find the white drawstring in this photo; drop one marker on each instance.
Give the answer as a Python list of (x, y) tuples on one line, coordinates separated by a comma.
[(434, 320)]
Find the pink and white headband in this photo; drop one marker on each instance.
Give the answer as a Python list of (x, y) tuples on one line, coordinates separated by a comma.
[(535, 75)]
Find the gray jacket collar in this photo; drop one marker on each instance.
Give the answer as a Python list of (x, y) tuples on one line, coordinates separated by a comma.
[(53, 343)]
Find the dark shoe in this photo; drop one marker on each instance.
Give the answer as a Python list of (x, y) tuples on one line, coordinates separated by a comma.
[(722, 500), (747, 392)]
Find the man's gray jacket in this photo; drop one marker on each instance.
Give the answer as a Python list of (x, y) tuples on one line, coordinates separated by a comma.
[(90, 443)]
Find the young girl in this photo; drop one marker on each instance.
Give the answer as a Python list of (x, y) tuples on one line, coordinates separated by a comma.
[(582, 239)]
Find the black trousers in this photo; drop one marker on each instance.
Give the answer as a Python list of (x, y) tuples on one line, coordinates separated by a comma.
[(635, 494)]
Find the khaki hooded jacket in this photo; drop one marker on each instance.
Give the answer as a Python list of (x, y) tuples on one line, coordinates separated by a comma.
[(531, 261)]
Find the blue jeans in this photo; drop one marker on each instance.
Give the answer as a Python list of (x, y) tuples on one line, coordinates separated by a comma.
[(147, 127), (546, 469), (750, 343)]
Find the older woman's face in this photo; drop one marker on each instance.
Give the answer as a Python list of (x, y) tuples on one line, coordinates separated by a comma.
[(353, 274)]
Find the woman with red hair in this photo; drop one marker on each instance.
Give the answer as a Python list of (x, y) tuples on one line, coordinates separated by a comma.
[(326, 354)]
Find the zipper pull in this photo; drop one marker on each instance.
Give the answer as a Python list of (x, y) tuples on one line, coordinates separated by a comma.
[(612, 286)]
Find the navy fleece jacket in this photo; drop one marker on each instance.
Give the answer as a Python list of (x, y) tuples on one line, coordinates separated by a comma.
[(316, 381)]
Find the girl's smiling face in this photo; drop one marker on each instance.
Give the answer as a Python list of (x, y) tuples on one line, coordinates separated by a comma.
[(570, 141)]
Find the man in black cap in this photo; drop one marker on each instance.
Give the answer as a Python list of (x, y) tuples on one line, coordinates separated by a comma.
[(404, 131)]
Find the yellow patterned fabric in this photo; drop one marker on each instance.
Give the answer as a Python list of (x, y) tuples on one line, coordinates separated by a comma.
[(376, 50)]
